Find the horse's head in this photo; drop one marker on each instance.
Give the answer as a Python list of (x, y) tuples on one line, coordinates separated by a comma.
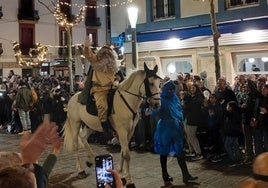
[(152, 86)]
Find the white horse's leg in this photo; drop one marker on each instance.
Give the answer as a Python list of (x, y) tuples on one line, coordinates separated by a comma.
[(125, 155), (84, 134), (71, 144)]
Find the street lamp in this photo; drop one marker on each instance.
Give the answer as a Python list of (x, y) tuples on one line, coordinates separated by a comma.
[(133, 16)]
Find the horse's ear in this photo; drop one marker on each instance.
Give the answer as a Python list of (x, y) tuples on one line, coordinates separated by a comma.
[(145, 67), (155, 68)]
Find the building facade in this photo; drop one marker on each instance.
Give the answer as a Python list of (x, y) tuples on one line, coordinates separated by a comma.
[(32, 21), (177, 36)]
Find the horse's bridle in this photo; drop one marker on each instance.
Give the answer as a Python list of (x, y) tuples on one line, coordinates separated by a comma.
[(148, 94)]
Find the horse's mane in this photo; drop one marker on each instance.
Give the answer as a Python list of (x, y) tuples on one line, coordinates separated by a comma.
[(127, 83)]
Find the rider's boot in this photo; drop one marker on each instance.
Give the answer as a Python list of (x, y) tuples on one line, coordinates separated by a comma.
[(107, 132)]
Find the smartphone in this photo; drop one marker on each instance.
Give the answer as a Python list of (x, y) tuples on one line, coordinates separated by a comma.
[(102, 163)]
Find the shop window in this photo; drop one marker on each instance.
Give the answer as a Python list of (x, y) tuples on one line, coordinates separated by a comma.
[(26, 72), (252, 63), (163, 9), (171, 66), (240, 3)]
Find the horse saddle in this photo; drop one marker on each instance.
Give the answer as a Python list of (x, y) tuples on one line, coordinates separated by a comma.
[(91, 105)]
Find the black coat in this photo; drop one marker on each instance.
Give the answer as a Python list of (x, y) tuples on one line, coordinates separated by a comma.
[(193, 111), (232, 123)]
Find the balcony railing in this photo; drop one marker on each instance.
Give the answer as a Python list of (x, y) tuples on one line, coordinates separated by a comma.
[(63, 52), (93, 22), (28, 15)]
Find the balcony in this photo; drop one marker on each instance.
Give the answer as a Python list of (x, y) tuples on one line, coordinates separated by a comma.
[(93, 22), (32, 15)]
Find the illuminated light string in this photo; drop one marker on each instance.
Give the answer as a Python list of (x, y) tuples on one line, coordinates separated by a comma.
[(97, 6), (37, 55), (62, 19)]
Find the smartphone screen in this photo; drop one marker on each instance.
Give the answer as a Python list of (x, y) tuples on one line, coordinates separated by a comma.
[(102, 163)]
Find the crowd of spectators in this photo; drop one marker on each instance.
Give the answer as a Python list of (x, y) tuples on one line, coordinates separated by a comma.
[(228, 123), (218, 122), (26, 100)]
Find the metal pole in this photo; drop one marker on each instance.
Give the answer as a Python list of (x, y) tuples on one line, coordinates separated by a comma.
[(134, 47), (70, 62)]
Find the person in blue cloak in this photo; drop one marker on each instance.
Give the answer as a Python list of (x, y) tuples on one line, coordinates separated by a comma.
[(169, 135)]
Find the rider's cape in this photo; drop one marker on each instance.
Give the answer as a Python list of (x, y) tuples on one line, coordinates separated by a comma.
[(84, 96)]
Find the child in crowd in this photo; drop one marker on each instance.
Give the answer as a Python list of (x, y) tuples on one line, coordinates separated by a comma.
[(214, 118), (231, 131)]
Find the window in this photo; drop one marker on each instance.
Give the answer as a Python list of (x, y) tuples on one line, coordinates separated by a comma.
[(163, 9), (252, 63), (174, 65), (66, 9), (94, 34), (27, 37), (240, 3), (63, 36), (63, 51)]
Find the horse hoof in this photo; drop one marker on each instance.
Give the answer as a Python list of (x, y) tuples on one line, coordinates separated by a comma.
[(82, 175), (132, 185), (89, 164)]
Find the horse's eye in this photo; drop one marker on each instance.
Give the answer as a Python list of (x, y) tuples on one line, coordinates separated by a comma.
[(151, 84)]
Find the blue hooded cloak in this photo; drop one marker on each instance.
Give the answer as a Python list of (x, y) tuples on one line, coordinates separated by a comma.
[(169, 134)]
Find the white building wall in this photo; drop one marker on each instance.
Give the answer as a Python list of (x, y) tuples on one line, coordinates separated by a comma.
[(46, 31), (9, 29), (119, 16), (196, 7)]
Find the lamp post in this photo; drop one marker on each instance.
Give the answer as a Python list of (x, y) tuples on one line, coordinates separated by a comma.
[(133, 16)]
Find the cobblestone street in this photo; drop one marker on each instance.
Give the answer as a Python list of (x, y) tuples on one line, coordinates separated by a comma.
[(145, 169)]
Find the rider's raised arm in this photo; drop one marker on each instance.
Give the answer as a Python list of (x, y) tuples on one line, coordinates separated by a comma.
[(88, 53)]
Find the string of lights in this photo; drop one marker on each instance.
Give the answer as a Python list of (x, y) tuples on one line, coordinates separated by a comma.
[(62, 19), (101, 5)]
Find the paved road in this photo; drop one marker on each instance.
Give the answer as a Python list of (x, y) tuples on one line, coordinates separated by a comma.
[(145, 169)]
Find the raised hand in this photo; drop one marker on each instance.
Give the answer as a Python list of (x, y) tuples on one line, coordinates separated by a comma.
[(32, 146), (88, 40)]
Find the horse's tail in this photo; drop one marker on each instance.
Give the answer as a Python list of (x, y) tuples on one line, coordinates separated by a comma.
[(69, 142)]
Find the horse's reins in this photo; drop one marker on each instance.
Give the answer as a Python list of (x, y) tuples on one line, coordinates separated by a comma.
[(126, 103), (148, 94)]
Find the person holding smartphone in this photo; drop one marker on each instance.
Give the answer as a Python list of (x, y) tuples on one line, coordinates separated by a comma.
[(117, 179), (106, 177)]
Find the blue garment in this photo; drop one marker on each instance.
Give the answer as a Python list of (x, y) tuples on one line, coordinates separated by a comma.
[(169, 134)]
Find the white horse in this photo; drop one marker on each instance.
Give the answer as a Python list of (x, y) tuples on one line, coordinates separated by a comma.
[(141, 85)]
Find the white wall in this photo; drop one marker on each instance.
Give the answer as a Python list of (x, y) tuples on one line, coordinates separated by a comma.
[(9, 28), (196, 7), (119, 16)]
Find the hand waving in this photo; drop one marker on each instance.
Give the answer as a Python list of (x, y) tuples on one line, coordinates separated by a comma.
[(32, 146)]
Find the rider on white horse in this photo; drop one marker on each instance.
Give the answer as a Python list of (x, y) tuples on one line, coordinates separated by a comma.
[(104, 65)]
